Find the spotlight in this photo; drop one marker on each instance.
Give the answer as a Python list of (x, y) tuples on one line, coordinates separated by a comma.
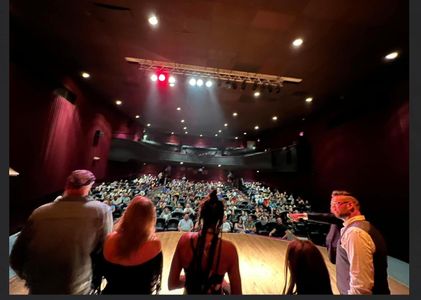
[(243, 85), (161, 77), (199, 82), (172, 84), (192, 82), (85, 75), (256, 94), (208, 83), (171, 79), (154, 77)]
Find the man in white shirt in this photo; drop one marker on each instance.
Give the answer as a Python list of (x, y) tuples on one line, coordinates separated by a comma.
[(185, 224), (361, 260)]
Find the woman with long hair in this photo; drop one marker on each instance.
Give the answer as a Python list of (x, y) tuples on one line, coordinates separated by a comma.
[(205, 256), (307, 270), (132, 252)]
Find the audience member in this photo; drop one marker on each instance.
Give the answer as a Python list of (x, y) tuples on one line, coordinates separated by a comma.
[(185, 223)]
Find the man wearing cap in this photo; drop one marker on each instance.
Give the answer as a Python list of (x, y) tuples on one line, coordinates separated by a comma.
[(53, 251), (361, 261)]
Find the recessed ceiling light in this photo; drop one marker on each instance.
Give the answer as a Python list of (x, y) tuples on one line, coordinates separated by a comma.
[(149, 125), (216, 134), (297, 42), (309, 99), (226, 124), (274, 118), (201, 135), (234, 114), (256, 127), (184, 127), (392, 55), (172, 132), (199, 82), (182, 121), (178, 108), (258, 140), (171, 79), (118, 102), (186, 132), (172, 84), (236, 137), (219, 166), (219, 130), (153, 20), (192, 82), (256, 94), (181, 162), (301, 133), (85, 75), (245, 133), (137, 117), (208, 83), (258, 171), (154, 77)]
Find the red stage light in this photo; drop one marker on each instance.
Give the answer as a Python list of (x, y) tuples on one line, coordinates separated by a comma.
[(161, 77)]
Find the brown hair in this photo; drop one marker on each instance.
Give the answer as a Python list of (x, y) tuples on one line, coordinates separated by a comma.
[(308, 271), (136, 226)]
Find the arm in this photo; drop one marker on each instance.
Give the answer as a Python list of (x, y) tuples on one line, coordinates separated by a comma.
[(179, 225), (234, 273), (175, 281), (272, 231), (360, 248)]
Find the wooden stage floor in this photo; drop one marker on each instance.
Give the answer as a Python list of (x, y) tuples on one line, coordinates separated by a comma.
[(261, 265)]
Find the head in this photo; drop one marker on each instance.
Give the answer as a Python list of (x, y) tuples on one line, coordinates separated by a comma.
[(307, 269), (186, 216), (79, 182), (136, 226), (212, 212), (343, 205), (279, 220)]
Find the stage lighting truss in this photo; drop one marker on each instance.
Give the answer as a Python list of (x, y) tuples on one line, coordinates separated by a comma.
[(219, 75)]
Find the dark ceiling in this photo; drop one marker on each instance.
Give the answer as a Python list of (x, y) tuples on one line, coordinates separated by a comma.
[(344, 42)]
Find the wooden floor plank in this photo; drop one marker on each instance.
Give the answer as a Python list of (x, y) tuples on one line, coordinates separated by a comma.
[(261, 265)]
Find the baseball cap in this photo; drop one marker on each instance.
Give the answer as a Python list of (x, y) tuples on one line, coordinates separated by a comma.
[(80, 178)]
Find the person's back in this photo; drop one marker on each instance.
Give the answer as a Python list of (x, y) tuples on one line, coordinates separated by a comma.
[(53, 251)]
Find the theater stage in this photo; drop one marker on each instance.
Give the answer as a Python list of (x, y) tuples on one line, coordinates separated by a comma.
[(261, 265)]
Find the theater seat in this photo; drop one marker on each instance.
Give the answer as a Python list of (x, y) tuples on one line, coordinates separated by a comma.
[(172, 224), (176, 214), (160, 224)]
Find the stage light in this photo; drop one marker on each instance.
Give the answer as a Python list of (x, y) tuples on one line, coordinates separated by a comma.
[(192, 82), (161, 77), (256, 127), (274, 118), (219, 166), (153, 20), (236, 137), (234, 114), (297, 42), (226, 124), (309, 99), (154, 77), (137, 116), (172, 84), (199, 82), (85, 75), (184, 127), (256, 94), (118, 102), (392, 56), (171, 79), (201, 135), (209, 83), (219, 130), (178, 108)]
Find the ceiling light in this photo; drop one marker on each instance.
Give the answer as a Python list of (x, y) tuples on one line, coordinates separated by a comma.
[(256, 94), (85, 75), (309, 99), (258, 171), (201, 135), (256, 127), (192, 82), (392, 55), (137, 117), (172, 84), (234, 114), (226, 124), (118, 102), (216, 134), (182, 121), (274, 118), (236, 137), (178, 108), (301, 133), (258, 140), (172, 132), (149, 125), (161, 77), (219, 130), (184, 127), (245, 133), (181, 162), (153, 20), (209, 83), (154, 77), (199, 82), (186, 132), (297, 42), (171, 79), (219, 166)]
